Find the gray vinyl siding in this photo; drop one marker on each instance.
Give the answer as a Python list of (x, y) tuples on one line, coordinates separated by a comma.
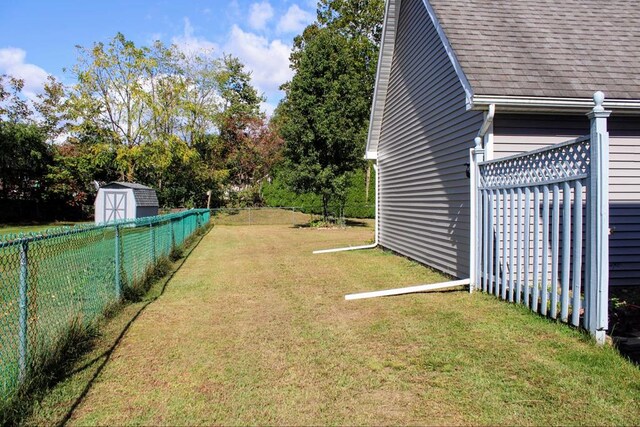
[(424, 144), (517, 133)]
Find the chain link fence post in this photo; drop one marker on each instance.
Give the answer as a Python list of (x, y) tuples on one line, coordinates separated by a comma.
[(117, 264), (173, 236), (152, 233), (24, 311)]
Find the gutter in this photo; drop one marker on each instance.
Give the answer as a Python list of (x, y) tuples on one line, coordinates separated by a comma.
[(547, 104)]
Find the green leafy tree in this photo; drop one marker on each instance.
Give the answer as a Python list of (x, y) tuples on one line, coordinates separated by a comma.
[(110, 88), (69, 179), (354, 19), (14, 107), (324, 115), (50, 105), (24, 157)]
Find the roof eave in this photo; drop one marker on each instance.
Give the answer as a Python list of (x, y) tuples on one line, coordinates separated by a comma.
[(387, 45), (386, 51), (550, 104)]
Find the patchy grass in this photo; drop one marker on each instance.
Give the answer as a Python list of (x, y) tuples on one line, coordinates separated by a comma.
[(254, 329), (67, 371), (259, 216)]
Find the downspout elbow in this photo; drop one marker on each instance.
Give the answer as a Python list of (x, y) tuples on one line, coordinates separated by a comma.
[(487, 121)]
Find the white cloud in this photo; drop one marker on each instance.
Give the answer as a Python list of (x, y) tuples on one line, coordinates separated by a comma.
[(191, 44), (12, 62), (294, 20), (260, 14), (267, 60), (268, 108)]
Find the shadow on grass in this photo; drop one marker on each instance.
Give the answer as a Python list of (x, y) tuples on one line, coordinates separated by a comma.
[(323, 224), (83, 344), (109, 352)]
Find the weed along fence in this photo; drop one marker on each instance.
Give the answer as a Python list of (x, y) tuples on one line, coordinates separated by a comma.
[(64, 278), (541, 229)]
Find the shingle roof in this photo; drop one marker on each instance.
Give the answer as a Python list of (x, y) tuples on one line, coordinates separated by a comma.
[(145, 196), (546, 48), (135, 185)]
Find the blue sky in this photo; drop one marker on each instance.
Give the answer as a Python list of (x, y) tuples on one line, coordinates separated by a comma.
[(39, 37)]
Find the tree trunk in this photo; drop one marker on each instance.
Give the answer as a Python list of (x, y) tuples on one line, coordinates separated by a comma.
[(325, 207)]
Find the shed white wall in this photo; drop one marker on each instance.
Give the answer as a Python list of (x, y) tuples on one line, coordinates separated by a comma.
[(424, 144), (99, 205), (515, 133)]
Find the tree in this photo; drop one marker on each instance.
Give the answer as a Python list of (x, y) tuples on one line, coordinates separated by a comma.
[(147, 103), (24, 156), (182, 123), (324, 115), (14, 107), (51, 107), (69, 178), (110, 85), (353, 19)]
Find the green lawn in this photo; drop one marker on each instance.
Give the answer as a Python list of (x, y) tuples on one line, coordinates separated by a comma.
[(26, 228), (254, 329)]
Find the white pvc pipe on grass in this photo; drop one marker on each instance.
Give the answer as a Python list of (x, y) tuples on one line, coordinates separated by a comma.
[(408, 290), (375, 237)]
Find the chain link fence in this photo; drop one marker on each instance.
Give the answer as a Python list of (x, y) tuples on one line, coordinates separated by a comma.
[(51, 280), (260, 216), (295, 216)]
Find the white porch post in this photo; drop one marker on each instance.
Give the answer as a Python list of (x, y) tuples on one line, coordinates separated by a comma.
[(597, 287), (476, 155)]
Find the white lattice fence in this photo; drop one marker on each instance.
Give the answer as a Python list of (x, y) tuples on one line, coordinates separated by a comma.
[(540, 235)]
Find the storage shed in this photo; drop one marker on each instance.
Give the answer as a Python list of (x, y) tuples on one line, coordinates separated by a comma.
[(125, 200)]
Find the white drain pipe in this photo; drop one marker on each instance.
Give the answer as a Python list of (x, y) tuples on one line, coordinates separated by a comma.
[(408, 290), (375, 241)]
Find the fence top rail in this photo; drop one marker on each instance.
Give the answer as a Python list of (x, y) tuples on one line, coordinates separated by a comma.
[(534, 152), (256, 207), (557, 163), (13, 239)]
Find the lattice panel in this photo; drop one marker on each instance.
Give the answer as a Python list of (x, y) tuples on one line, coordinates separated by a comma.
[(561, 162)]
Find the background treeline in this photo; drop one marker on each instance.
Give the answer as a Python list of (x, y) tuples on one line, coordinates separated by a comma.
[(189, 123), (359, 202)]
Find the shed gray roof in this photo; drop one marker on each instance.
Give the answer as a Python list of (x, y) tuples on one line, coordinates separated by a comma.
[(545, 48), (145, 196)]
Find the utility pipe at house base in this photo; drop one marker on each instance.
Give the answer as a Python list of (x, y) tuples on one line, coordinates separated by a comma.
[(408, 290), (350, 248)]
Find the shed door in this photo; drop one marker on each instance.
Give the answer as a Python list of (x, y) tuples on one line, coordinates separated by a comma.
[(115, 206)]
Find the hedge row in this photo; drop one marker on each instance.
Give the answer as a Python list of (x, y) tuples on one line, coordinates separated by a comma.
[(277, 193)]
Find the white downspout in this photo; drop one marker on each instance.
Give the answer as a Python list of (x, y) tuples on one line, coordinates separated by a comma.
[(486, 126), (476, 154), (488, 121), (376, 227)]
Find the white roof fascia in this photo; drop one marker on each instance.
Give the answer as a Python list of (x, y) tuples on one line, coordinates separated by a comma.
[(387, 44), (550, 104), (468, 90)]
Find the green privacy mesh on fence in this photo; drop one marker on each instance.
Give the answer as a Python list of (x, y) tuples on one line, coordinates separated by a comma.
[(52, 279)]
